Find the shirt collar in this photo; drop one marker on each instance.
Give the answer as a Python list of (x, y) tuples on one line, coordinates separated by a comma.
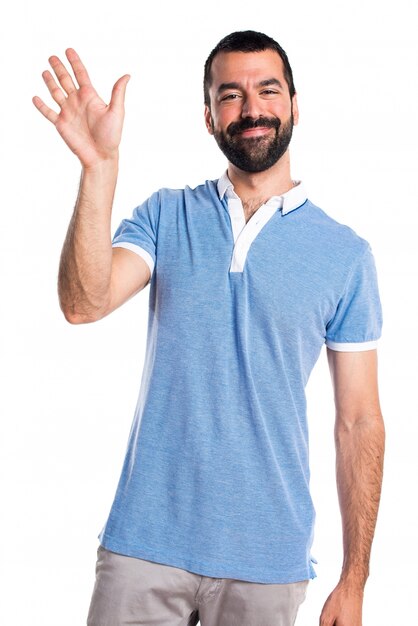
[(287, 202)]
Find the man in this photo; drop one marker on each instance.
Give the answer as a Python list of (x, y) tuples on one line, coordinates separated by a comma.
[(212, 518)]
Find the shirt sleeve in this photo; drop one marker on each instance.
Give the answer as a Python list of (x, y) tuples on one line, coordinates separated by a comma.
[(357, 322), (139, 232)]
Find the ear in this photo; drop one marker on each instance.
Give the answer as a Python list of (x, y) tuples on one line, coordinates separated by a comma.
[(295, 109), (208, 120)]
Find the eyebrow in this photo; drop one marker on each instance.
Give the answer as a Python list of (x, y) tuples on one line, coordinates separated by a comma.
[(270, 81), (264, 83)]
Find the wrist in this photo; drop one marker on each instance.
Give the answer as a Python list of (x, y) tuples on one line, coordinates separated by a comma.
[(103, 166), (353, 580)]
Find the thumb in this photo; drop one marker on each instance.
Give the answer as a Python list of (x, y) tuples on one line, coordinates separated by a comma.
[(118, 92)]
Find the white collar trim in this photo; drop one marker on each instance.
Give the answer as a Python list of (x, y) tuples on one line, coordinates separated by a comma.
[(287, 202)]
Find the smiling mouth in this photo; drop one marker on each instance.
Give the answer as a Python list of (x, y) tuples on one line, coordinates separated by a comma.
[(259, 131)]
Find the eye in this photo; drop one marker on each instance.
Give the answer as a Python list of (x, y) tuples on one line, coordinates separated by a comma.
[(269, 92), (230, 96)]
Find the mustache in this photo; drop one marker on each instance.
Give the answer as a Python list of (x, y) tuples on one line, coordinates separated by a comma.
[(247, 123)]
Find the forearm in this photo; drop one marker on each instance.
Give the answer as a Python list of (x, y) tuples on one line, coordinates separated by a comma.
[(359, 464), (86, 258)]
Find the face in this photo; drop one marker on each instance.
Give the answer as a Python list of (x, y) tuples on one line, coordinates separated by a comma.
[(251, 114)]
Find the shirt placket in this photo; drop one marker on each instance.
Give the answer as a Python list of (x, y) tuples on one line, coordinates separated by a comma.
[(244, 233)]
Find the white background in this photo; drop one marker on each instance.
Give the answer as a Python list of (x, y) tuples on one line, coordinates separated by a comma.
[(69, 392)]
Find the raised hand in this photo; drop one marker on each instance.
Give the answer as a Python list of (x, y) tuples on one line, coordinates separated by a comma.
[(91, 128)]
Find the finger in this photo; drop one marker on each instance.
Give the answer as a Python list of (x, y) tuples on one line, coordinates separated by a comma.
[(54, 90), (79, 70), (45, 110), (62, 74), (118, 92)]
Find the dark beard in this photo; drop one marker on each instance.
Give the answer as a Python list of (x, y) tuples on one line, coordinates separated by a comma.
[(255, 154)]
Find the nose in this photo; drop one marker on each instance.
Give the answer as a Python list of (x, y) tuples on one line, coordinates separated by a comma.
[(251, 107)]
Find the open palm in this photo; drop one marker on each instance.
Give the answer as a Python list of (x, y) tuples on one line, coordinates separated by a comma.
[(91, 128)]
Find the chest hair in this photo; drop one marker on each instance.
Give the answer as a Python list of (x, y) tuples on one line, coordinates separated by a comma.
[(251, 206)]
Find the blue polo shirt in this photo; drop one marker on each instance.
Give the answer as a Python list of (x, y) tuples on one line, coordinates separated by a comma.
[(216, 474)]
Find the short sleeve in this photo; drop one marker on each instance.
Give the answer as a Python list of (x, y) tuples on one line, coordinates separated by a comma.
[(357, 322), (139, 233)]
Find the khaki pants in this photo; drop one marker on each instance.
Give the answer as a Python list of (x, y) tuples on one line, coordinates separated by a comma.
[(134, 591)]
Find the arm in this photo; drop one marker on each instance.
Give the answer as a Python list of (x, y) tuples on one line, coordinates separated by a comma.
[(359, 441), (93, 279)]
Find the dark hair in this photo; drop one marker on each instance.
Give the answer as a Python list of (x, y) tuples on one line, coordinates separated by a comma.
[(246, 41)]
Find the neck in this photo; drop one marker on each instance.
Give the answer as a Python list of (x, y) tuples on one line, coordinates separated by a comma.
[(272, 182)]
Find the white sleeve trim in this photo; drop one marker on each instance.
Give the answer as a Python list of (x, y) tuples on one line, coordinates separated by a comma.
[(139, 251), (351, 347)]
